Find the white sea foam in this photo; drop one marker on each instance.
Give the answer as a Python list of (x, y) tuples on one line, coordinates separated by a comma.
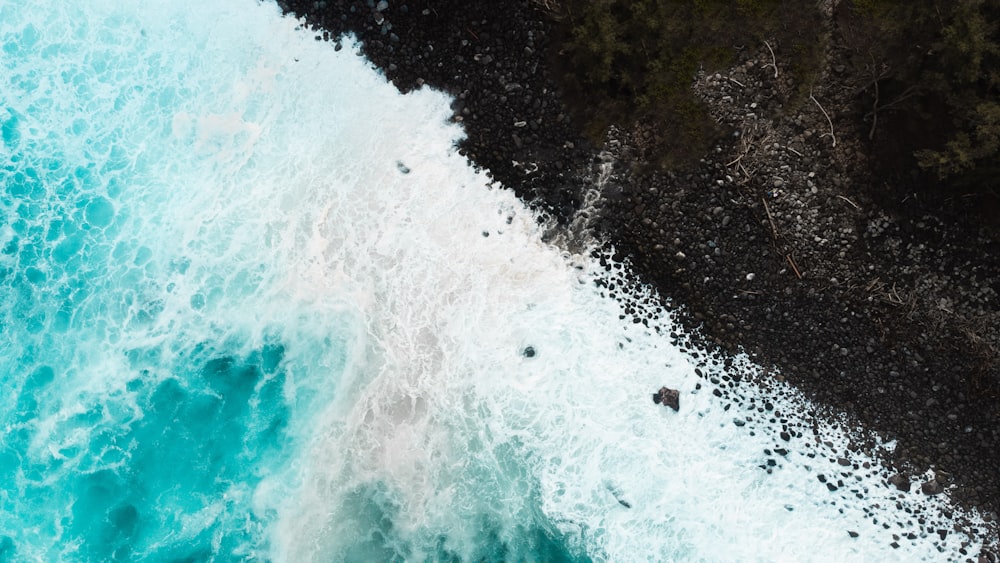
[(265, 186)]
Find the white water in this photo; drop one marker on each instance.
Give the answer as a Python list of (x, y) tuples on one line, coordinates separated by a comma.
[(212, 184)]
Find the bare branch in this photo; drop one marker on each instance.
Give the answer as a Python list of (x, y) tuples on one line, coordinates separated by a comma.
[(905, 95), (774, 61), (751, 138), (770, 218), (871, 132), (795, 268), (552, 7), (854, 205), (828, 120), (877, 76)]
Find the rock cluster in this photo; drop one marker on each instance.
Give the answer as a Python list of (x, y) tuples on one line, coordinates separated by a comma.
[(493, 62), (775, 244)]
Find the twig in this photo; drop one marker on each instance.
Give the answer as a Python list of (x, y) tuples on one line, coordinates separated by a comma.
[(854, 205), (774, 61), (749, 144), (893, 297), (731, 79), (551, 6), (746, 150), (795, 268), (828, 120), (895, 294), (875, 283), (794, 151), (871, 132), (770, 218)]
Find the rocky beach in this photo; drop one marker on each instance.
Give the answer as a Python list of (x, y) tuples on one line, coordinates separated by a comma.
[(782, 240)]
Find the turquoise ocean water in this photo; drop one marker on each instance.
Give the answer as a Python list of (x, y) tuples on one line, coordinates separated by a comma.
[(253, 306)]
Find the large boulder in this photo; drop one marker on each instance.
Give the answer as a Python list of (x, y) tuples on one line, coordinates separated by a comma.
[(668, 398), (901, 481), (931, 487)]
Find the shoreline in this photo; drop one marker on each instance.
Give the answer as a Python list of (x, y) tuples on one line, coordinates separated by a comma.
[(786, 258)]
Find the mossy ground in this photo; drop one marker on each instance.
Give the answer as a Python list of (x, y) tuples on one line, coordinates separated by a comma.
[(921, 79)]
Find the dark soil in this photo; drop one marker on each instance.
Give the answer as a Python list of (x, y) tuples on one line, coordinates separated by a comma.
[(779, 241)]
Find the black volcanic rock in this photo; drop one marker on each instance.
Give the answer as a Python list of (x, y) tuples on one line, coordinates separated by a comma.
[(931, 487), (900, 481), (668, 397)]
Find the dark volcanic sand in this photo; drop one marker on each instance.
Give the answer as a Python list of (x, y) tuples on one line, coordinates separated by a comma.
[(881, 305)]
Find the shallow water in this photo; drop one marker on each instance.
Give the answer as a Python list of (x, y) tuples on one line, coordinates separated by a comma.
[(255, 306)]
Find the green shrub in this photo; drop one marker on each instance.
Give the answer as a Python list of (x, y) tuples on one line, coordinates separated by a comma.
[(941, 87)]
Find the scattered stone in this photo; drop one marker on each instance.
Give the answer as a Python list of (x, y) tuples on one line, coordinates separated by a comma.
[(668, 397)]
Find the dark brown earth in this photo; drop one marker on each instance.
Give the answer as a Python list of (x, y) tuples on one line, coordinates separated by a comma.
[(783, 241)]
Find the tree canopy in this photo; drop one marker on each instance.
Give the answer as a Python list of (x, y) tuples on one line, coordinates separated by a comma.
[(941, 77), (925, 75)]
